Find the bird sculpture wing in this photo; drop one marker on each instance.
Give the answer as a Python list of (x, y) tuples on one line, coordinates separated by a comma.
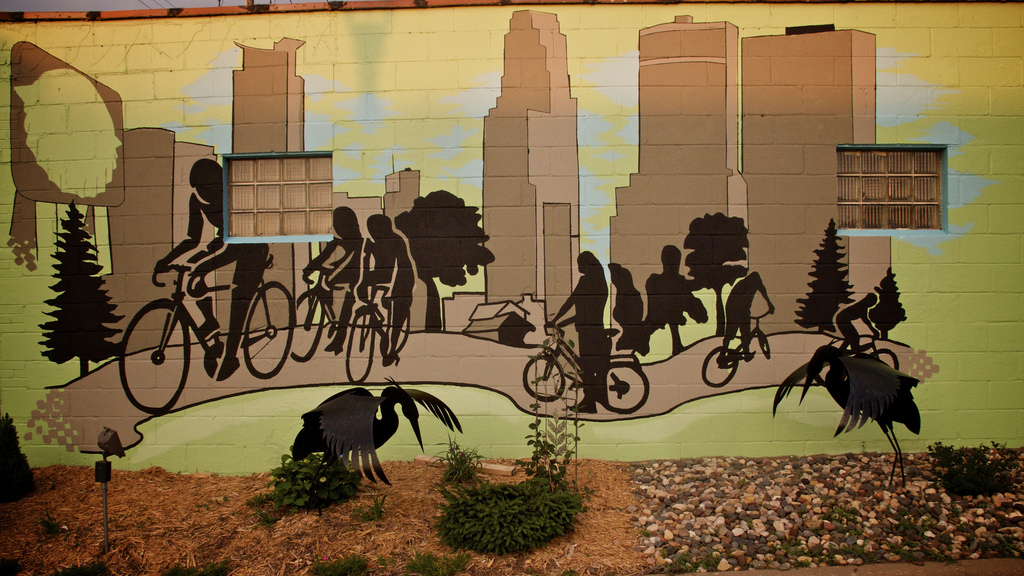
[(435, 406), (345, 421), (799, 376), (873, 388)]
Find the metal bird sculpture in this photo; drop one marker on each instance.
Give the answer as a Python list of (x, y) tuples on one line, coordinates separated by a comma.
[(865, 388), (347, 426)]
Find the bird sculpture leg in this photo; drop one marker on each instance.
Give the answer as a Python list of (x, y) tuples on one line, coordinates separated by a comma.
[(890, 435)]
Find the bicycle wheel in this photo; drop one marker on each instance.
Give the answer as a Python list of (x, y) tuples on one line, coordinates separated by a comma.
[(267, 335), (311, 315), (762, 341), (155, 358), (715, 375), (544, 378), (628, 387), (359, 352), (887, 356)]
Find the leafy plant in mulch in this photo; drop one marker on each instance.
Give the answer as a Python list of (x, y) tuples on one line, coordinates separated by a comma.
[(461, 465), (15, 474), (50, 525), (372, 512), (506, 518), (427, 564), (91, 570), (350, 565), (221, 568), (968, 471), (309, 483)]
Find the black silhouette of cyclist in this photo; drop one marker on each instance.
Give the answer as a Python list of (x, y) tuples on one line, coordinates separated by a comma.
[(386, 263), (588, 301), (738, 315), (857, 311), (338, 264), (204, 241)]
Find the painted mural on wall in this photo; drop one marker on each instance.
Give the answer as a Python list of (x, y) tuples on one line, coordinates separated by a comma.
[(187, 314)]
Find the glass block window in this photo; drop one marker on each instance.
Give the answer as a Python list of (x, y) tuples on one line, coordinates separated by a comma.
[(890, 188), (283, 195)]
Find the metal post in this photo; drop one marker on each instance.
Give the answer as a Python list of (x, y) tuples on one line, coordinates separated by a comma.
[(103, 476), (106, 544)]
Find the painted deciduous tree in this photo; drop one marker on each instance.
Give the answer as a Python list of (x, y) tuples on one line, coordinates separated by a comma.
[(714, 241), (446, 241), (830, 287), (82, 308)]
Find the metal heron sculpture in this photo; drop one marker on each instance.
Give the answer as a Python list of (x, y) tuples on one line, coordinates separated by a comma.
[(347, 426), (865, 388)]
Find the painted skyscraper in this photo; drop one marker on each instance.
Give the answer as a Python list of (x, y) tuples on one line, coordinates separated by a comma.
[(803, 94), (531, 168), (688, 141)]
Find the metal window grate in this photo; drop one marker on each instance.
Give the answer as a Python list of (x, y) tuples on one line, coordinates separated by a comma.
[(889, 189), (279, 196)]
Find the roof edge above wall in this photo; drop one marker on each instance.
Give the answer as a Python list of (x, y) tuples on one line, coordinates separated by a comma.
[(390, 5)]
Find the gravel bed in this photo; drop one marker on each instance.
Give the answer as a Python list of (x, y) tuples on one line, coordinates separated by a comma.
[(721, 514)]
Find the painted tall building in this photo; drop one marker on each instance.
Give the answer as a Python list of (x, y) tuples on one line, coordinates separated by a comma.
[(688, 165), (531, 167), (803, 94)]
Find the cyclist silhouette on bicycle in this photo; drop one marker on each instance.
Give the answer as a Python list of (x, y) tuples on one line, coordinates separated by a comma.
[(338, 264), (847, 316), (206, 251), (386, 263), (588, 301), (738, 316)]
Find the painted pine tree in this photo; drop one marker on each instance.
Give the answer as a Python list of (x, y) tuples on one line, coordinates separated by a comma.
[(888, 312), (830, 287), (82, 309)]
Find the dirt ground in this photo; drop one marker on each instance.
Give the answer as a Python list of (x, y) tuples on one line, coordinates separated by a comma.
[(157, 520)]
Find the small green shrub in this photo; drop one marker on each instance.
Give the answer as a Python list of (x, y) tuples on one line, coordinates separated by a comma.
[(374, 511), (505, 518), (307, 483), (350, 565), (970, 471), (9, 566), (427, 564), (15, 474), (217, 569), (50, 525), (90, 570), (461, 466)]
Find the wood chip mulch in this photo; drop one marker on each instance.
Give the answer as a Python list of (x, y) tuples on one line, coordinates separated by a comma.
[(157, 519)]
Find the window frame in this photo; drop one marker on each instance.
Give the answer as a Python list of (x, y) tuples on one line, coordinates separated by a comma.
[(943, 182), (282, 239)]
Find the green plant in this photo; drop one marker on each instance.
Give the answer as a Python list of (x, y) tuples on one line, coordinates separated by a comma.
[(9, 566), (554, 432), (461, 466), (427, 564), (374, 511), (261, 504), (217, 569), (312, 484), (50, 525), (349, 565), (90, 570), (15, 474), (968, 471), (504, 518)]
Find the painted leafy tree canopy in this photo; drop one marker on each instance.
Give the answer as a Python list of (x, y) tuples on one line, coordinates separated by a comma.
[(446, 241)]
